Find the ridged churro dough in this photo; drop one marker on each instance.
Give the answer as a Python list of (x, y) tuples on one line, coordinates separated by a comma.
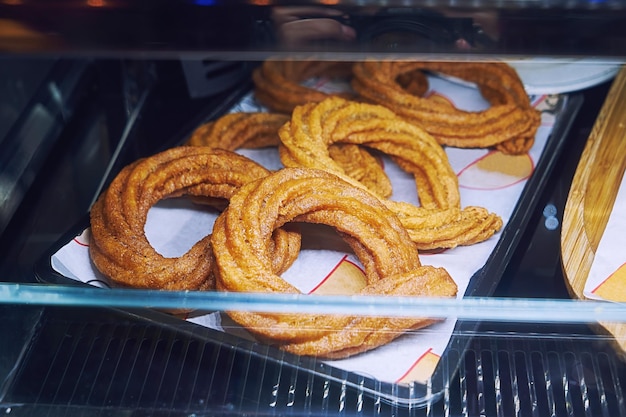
[(118, 244), (439, 221), (509, 124), (278, 84), (242, 238)]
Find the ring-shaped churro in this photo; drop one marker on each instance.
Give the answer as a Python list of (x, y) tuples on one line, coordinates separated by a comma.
[(509, 124), (278, 83), (118, 245), (240, 130), (242, 242), (257, 129), (439, 221)]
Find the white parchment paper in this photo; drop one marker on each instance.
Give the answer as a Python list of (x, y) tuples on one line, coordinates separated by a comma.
[(610, 257)]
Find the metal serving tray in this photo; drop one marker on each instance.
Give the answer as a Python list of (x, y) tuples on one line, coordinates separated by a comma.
[(482, 283)]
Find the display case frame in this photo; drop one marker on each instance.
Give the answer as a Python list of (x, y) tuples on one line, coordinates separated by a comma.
[(154, 45)]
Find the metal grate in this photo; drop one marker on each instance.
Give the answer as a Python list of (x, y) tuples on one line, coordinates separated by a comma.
[(101, 363)]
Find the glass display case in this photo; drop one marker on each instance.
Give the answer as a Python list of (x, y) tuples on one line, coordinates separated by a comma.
[(487, 281)]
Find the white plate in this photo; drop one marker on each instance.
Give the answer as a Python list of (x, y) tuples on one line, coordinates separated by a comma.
[(554, 77)]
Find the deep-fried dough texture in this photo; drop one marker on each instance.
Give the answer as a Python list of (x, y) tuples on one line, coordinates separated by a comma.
[(509, 124), (439, 222), (241, 238), (278, 83), (118, 245), (255, 130), (240, 130), (358, 163)]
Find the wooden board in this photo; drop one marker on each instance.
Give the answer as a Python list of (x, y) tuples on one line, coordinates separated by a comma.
[(592, 194)]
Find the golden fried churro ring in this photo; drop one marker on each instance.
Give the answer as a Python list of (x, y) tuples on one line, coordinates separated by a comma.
[(509, 124), (240, 130), (257, 129), (278, 83), (243, 254), (118, 245), (439, 221)]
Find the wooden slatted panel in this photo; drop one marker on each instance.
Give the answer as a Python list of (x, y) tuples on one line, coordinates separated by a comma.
[(592, 194)]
